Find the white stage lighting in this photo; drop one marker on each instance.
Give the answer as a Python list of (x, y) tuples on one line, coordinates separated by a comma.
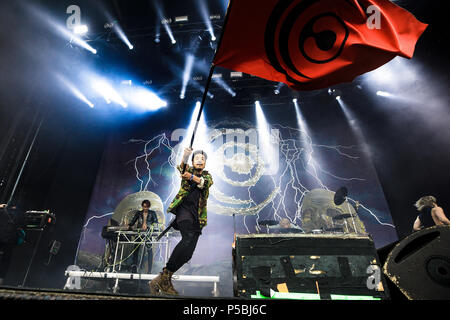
[(142, 98), (206, 18), (265, 142), (301, 121), (81, 29), (384, 94), (108, 92), (187, 74), (76, 92)]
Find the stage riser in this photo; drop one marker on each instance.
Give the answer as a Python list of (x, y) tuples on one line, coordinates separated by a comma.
[(313, 264)]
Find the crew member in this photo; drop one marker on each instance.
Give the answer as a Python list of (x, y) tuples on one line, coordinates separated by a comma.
[(189, 206), (430, 214), (144, 218)]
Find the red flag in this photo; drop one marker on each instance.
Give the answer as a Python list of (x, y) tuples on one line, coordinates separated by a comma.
[(314, 44)]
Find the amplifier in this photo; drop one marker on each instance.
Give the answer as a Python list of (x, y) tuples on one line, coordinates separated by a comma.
[(307, 266)]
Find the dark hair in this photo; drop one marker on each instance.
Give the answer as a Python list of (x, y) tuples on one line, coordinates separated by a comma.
[(146, 202), (199, 152)]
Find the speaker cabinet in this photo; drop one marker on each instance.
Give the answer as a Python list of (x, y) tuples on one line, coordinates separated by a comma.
[(307, 266), (420, 264)]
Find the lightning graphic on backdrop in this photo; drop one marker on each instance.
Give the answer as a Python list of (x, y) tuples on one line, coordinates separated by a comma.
[(297, 162)]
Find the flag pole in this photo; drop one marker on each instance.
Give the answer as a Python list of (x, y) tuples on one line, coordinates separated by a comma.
[(208, 81), (202, 105), (205, 92)]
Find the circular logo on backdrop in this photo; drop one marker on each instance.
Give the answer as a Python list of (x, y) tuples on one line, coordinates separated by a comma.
[(305, 38)]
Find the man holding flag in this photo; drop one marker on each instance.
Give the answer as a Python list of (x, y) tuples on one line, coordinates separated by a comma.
[(189, 206)]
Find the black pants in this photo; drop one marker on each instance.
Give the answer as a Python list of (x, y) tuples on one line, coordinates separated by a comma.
[(185, 248), (138, 254)]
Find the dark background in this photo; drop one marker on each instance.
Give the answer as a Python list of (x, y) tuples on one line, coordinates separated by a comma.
[(409, 142)]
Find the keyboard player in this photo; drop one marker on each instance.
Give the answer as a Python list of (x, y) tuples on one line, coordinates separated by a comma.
[(142, 219)]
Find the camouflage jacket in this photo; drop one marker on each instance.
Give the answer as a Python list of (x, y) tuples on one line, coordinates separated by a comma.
[(184, 191)]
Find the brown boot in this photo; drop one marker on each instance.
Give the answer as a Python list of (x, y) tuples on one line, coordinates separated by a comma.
[(154, 284), (170, 289), (162, 284)]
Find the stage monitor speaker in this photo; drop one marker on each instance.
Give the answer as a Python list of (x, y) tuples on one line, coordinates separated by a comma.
[(419, 265), (307, 266)]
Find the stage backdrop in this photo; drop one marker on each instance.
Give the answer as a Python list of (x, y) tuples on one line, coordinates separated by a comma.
[(265, 166)]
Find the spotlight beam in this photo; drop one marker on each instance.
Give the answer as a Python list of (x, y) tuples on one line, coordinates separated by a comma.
[(187, 74), (265, 140), (108, 92), (203, 68), (300, 120), (122, 36), (75, 91), (384, 94), (60, 29), (166, 26), (205, 15)]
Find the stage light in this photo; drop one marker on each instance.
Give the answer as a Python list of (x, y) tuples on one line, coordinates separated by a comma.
[(336, 93), (82, 43), (165, 22), (384, 94), (226, 87), (265, 139), (62, 30), (116, 27), (108, 92), (158, 32), (75, 91), (182, 19), (187, 74), (142, 98), (301, 124), (355, 127), (397, 74), (216, 77), (278, 88), (206, 18), (80, 29)]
